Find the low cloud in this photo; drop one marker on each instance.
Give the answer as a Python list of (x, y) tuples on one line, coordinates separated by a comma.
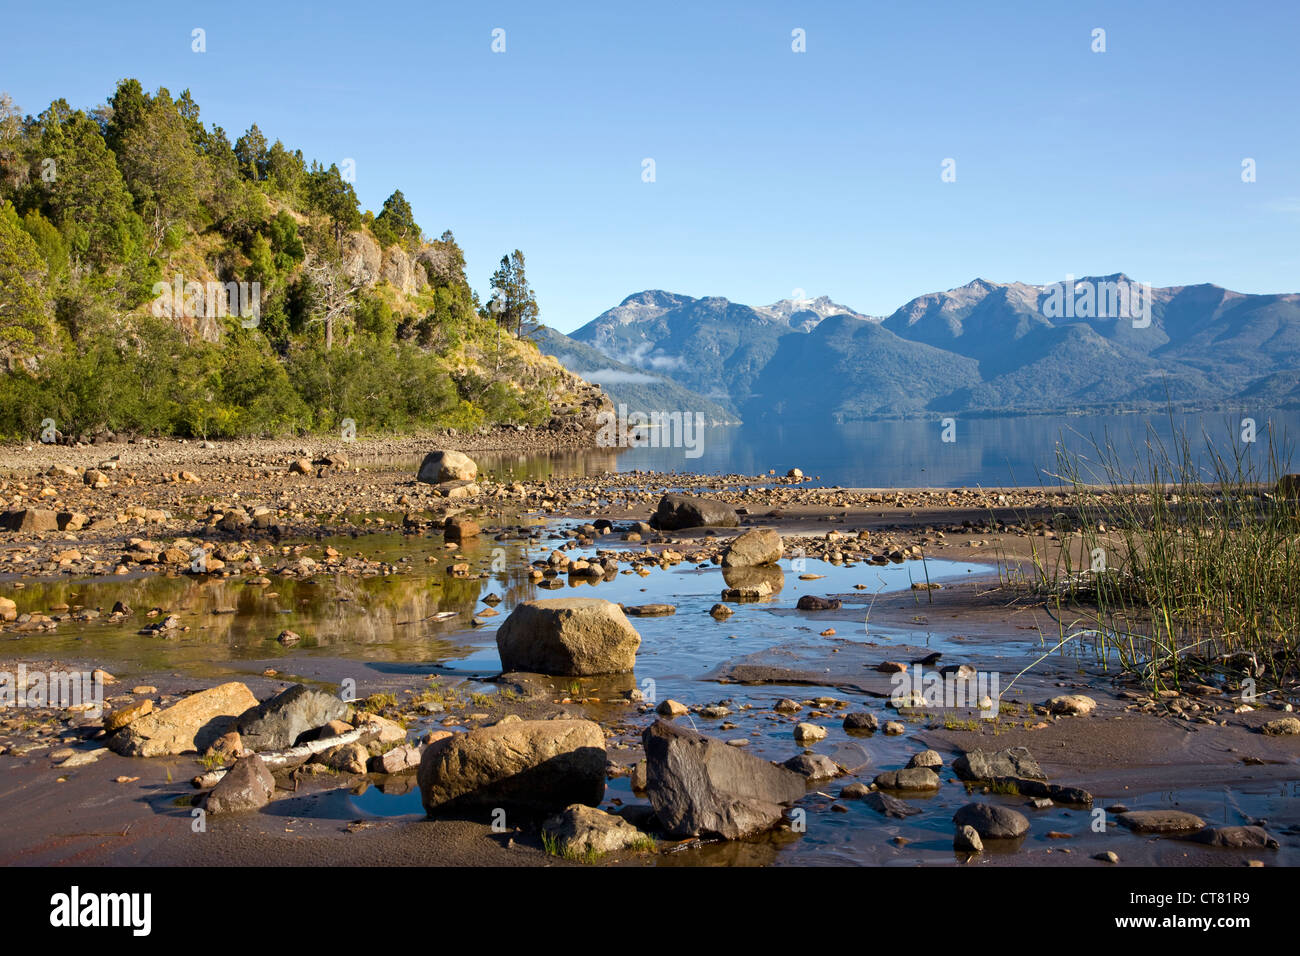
[(614, 376)]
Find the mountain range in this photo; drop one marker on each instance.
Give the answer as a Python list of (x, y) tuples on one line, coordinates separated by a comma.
[(982, 348)]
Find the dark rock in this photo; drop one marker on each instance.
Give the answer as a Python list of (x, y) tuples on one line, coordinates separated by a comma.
[(700, 786), (810, 602), (247, 785), (916, 778), (682, 511), (813, 766), (279, 722), (1236, 838), (861, 720), (889, 806), (1013, 762), (991, 821)]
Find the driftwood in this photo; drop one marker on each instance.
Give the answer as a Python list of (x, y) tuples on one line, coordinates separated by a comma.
[(277, 760)]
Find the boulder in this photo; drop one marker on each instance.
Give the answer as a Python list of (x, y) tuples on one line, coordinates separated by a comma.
[(813, 766), (967, 840), (191, 724), (926, 758), (248, 785), (914, 778), (1013, 762), (1160, 821), (682, 511), (861, 720), (1236, 838), (458, 528), (574, 637), (32, 519), (991, 821), (811, 602), (806, 731), (889, 806), (279, 722), (446, 465), (529, 765), (581, 831), (756, 547), (700, 786)]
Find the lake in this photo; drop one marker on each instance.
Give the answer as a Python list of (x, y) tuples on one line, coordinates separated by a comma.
[(985, 452)]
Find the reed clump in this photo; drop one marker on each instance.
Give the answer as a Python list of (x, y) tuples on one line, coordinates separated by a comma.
[(1181, 567)]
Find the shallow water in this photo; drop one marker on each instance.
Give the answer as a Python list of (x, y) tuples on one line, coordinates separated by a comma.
[(390, 618)]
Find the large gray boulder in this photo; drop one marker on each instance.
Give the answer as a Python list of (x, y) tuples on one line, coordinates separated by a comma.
[(537, 766), (568, 636), (682, 511), (446, 465), (699, 786), (1014, 762), (279, 722), (248, 785), (760, 546)]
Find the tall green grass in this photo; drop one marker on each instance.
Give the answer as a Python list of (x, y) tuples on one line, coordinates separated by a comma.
[(1181, 571)]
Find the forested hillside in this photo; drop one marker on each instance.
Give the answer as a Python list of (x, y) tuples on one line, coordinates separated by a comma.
[(158, 278)]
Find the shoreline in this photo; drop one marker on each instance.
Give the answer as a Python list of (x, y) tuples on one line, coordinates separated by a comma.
[(1123, 747)]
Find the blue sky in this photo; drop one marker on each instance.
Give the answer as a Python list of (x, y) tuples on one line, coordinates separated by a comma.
[(774, 170)]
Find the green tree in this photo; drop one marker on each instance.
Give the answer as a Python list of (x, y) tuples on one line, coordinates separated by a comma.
[(82, 191), (26, 324), (159, 163), (285, 170), (513, 303), (250, 150), (329, 194), (396, 222)]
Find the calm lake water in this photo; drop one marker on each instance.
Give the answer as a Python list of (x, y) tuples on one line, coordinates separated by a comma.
[(984, 452)]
